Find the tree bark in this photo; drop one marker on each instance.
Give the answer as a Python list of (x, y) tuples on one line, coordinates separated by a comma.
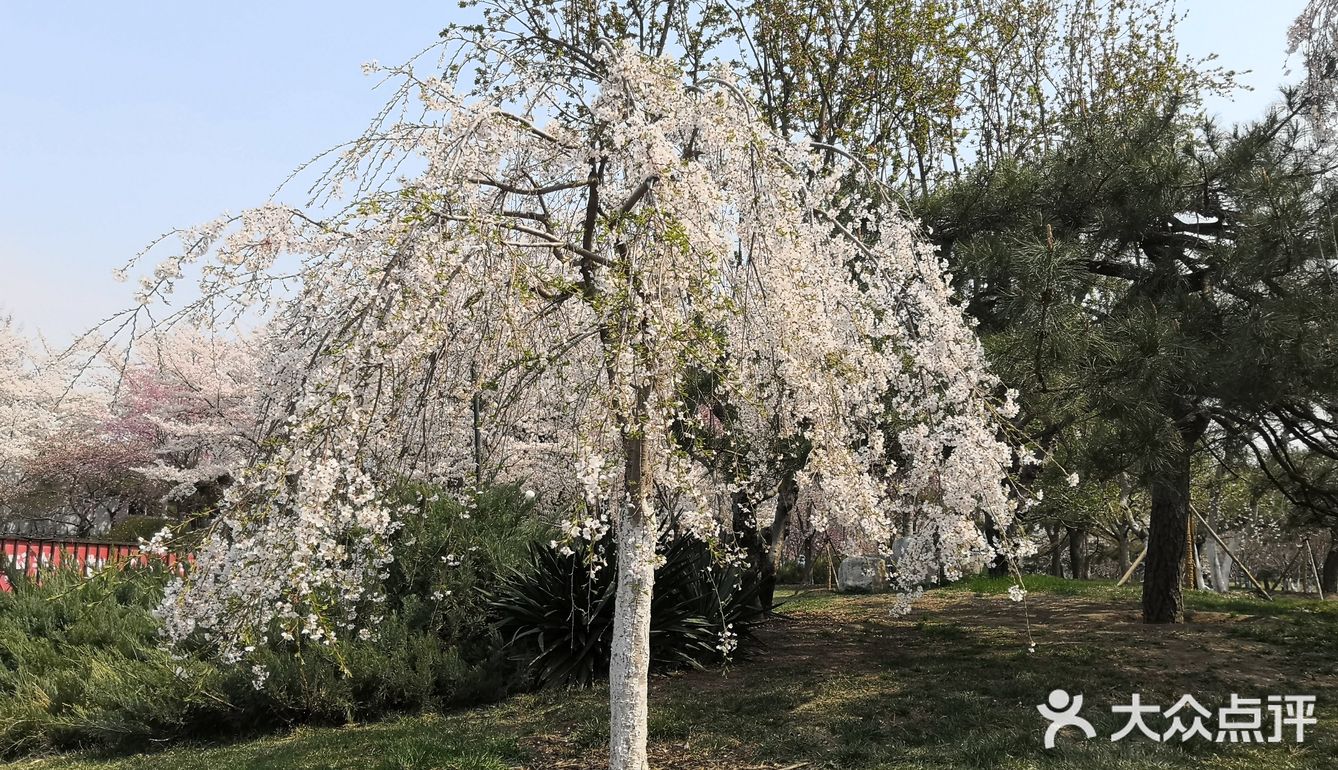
[(1329, 576), (629, 664), (1078, 552), (759, 543), (1126, 529), (786, 497), (1056, 555), (1193, 557), (1168, 532), (998, 566), (1122, 549)]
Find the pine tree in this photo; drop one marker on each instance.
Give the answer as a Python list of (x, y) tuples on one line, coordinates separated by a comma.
[(1153, 278)]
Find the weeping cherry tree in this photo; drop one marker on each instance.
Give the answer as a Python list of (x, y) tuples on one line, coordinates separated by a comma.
[(577, 255)]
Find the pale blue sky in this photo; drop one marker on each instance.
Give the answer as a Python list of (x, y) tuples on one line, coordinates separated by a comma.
[(121, 120)]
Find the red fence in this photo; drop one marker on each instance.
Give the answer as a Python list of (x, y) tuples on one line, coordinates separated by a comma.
[(32, 557)]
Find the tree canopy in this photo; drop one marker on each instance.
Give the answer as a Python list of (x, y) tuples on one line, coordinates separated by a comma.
[(585, 257), (1154, 277)]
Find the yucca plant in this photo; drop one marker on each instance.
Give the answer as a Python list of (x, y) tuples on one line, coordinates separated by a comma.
[(557, 616)]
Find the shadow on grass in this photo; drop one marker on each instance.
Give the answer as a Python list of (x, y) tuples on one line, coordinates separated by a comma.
[(845, 685)]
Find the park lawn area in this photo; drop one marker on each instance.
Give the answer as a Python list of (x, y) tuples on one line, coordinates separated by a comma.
[(843, 684)]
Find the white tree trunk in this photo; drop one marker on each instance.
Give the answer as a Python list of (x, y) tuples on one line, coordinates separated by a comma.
[(629, 666), (1218, 564)]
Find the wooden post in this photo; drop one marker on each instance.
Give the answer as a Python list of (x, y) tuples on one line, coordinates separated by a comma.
[(1130, 572), (1253, 580), (1314, 570), (1192, 575)]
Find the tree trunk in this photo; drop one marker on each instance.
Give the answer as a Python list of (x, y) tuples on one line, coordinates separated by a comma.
[(1078, 552), (1056, 555), (1127, 527), (1168, 532), (831, 566), (786, 497), (1329, 575), (806, 576), (1217, 562), (629, 663), (748, 538), (1122, 549), (998, 566), (1212, 557)]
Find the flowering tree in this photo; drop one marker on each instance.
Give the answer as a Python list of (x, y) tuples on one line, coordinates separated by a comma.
[(198, 395), (57, 438), (92, 436), (557, 290), (81, 475), (27, 393), (1314, 35)]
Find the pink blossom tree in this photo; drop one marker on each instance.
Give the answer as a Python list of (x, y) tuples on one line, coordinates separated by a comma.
[(81, 476), (200, 395), (94, 436)]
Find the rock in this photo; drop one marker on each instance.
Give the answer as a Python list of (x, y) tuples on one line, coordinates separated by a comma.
[(861, 574), (899, 546)]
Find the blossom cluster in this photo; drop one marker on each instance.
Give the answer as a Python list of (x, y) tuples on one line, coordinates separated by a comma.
[(544, 301), (94, 432)]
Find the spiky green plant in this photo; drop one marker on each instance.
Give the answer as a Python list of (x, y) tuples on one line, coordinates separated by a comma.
[(557, 616)]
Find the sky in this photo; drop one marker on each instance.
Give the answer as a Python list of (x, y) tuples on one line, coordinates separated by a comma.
[(119, 121)]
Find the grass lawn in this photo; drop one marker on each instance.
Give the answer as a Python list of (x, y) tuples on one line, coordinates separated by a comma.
[(844, 685)]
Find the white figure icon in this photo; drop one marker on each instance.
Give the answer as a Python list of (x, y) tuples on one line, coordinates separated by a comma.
[(1063, 712)]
